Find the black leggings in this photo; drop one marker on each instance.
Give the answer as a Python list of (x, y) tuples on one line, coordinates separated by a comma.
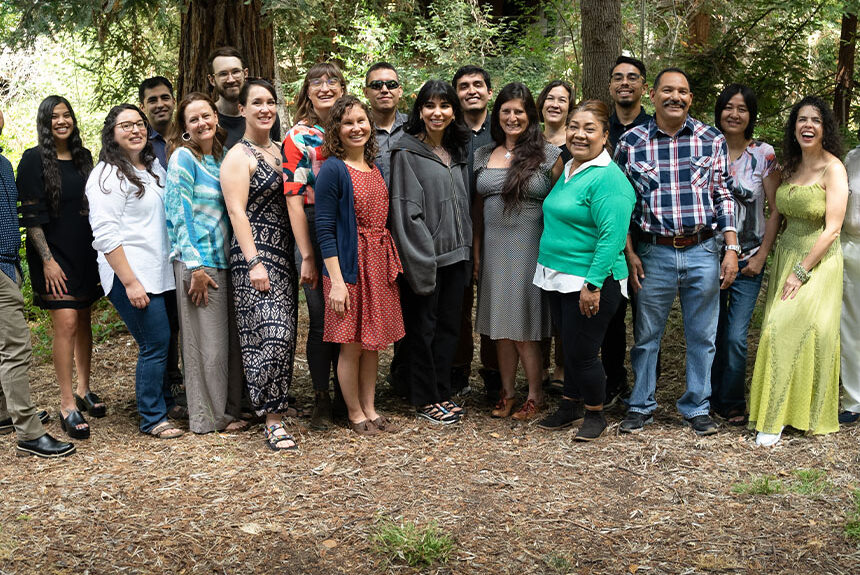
[(581, 339)]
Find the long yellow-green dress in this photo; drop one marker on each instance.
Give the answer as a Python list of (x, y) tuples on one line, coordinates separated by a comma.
[(796, 378)]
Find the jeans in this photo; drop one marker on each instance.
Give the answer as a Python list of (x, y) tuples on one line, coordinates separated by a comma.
[(728, 375), (694, 273), (150, 328)]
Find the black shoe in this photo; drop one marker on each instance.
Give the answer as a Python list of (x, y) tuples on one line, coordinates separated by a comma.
[(71, 422), (492, 384), (338, 405), (592, 427), (45, 446), (321, 416), (845, 418), (634, 422), (569, 413), (615, 397), (7, 427), (459, 380), (702, 424)]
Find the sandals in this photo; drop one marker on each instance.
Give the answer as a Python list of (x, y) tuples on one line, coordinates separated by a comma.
[(435, 413), (70, 424), (453, 408), (276, 435), (91, 403), (165, 430)]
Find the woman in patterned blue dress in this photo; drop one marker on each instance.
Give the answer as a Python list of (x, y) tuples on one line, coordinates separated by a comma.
[(262, 268)]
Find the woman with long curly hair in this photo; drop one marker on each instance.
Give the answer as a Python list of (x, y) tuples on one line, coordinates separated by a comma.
[(126, 195), (796, 378), (63, 270), (513, 175)]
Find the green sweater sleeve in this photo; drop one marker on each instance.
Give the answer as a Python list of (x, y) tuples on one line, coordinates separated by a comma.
[(611, 206)]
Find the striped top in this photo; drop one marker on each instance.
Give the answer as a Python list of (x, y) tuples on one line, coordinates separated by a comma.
[(197, 219), (303, 156)]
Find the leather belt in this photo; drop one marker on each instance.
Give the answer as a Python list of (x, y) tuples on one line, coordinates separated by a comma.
[(679, 242)]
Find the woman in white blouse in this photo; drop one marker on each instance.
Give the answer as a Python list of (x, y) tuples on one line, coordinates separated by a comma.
[(126, 198)]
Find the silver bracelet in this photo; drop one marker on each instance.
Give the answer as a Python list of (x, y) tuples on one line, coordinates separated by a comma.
[(254, 261)]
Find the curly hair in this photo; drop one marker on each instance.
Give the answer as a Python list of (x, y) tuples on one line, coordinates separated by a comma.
[(831, 138), (304, 107), (457, 135), (113, 155), (528, 152), (178, 128), (81, 156), (333, 145)]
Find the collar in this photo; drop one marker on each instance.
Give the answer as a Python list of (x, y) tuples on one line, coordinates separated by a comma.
[(641, 118), (601, 161), (654, 131), (399, 120), (484, 126), (152, 134)]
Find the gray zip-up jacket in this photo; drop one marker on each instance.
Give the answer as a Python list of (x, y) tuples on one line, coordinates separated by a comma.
[(430, 213)]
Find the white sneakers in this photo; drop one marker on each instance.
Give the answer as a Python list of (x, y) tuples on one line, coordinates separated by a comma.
[(767, 439)]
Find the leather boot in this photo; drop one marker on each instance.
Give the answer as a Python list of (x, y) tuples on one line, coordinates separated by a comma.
[(321, 416)]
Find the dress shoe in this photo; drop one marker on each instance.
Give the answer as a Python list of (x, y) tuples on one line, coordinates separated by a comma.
[(45, 446), (7, 427)]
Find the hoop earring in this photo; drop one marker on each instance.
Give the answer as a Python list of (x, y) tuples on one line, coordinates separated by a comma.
[(186, 137)]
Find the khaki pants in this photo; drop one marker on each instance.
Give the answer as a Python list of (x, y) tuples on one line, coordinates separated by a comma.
[(15, 361)]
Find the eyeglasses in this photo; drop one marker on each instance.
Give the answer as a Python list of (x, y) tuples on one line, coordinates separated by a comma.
[(378, 84), (235, 73), (130, 126), (631, 77), (318, 83)]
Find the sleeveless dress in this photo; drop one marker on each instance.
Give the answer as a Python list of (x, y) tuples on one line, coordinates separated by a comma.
[(374, 318), (796, 378), (267, 322), (510, 306)]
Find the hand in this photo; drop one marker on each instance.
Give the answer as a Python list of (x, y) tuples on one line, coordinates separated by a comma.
[(476, 267), (338, 299), (789, 289), (754, 265), (309, 276), (55, 278), (137, 294), (728, 269), (589, 302), (637, 271), (259, 277), (199, 290)]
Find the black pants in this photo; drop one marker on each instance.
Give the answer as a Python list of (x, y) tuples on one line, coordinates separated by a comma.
[(581, 338), (613, 352), (432, 325)]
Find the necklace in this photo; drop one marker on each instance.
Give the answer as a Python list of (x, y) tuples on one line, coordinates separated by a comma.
[(509, 152), (266, 150), (442, 154)]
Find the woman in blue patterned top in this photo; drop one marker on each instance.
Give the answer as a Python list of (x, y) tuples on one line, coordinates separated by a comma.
[(199, 230)]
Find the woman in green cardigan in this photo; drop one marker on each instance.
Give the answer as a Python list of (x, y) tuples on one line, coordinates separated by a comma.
[(581, 264)]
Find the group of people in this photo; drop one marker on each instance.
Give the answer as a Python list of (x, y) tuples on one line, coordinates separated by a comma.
[(200, 225)]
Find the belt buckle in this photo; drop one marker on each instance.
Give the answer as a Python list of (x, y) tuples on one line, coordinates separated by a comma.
[(675, 242)]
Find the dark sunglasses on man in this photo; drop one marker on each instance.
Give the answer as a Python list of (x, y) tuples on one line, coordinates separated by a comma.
[(378, 84)]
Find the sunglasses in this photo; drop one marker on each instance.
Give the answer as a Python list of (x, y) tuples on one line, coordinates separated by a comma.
[(378, 84)]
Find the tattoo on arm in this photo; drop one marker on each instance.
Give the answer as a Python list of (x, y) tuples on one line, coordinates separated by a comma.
[(37, 236)]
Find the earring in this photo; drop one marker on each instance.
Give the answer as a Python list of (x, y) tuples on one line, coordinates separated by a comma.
[(186, 137)]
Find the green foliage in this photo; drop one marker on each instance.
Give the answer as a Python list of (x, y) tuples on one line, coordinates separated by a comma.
[(408, 543), (761, 485), (852, 523), (558, 563), (810, 482)]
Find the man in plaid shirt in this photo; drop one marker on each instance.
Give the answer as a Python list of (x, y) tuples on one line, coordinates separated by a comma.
[(679, 168)]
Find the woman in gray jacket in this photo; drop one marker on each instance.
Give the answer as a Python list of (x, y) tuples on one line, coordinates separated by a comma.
[(432, 228)]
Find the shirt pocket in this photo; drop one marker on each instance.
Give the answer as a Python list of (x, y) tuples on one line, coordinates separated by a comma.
[(645, 177), (700, 171)]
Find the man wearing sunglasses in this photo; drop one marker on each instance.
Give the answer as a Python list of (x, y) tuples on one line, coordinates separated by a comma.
[(383, 91)]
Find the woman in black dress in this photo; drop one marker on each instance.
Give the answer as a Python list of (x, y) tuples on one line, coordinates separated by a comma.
[(60, 256), (262, 267)]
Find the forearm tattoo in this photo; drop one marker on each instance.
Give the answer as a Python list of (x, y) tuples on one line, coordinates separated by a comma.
[(37, 237)]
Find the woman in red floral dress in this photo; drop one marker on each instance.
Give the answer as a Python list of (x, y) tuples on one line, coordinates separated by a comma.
[(361, 263)]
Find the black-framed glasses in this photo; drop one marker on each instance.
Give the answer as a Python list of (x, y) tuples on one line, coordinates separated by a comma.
[(631, 77), (378, 84), (130, 126)]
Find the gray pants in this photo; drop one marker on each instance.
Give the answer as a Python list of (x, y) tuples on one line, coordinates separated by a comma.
[(15, 361), (210, 352)]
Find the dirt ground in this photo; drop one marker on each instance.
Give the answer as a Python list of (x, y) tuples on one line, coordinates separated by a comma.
[(514, 499)]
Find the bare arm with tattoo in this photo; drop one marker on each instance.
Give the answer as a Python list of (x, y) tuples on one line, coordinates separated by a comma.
[(55, 278)]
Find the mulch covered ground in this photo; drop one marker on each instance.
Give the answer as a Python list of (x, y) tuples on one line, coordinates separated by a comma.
[(515, 499)]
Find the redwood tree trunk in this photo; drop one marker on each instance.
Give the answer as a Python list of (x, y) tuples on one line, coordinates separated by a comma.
[(210, 24), (845, 69), (601, 45)]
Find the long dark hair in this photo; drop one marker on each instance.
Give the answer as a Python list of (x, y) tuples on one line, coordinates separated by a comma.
[(831, 138), (750, 101), (178, 129), (528, 152), (304, 107), (332, 144), (456, 136), (113, 155), (81, 156)]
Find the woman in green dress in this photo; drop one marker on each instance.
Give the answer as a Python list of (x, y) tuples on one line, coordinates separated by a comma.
[(796, 377)]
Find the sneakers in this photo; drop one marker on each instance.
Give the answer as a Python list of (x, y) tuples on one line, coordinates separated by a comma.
[(767, 439), (702, 424), (634, 422), (569, 413), (593, 426), (846, 417)]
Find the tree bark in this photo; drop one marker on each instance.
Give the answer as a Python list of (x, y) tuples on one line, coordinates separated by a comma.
[(845, 69), (699, 27), (210, 24), (601, 45)]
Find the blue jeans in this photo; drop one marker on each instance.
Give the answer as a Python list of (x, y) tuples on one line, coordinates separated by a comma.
[(728, 376), (694, 273), (150, 328)]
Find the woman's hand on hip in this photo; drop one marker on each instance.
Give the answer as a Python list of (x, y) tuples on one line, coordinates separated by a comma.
[(200, 284)]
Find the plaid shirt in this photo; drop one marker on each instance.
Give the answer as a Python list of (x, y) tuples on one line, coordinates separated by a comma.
[(681, 181), (10, 235)]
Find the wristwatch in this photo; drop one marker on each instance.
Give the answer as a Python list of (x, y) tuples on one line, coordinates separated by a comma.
[(734, 247), (591, 287)]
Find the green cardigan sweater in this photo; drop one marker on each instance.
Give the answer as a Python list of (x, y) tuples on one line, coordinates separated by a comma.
[(585, 224)]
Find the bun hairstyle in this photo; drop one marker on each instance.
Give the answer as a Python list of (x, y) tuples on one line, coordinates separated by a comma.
[(333, 145)]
